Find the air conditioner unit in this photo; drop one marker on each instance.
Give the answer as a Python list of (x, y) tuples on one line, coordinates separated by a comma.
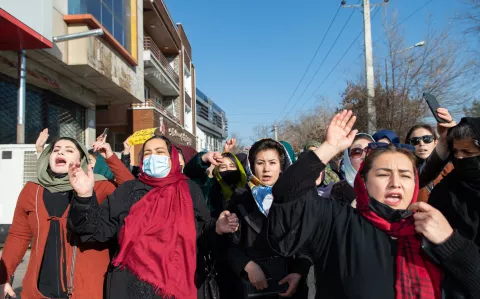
[(17, 167)]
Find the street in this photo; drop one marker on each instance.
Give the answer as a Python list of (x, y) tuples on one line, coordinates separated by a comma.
[(20, 273)]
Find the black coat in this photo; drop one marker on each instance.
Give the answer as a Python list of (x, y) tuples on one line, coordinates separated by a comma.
[(102, 223), (353, 258), (250, 242)]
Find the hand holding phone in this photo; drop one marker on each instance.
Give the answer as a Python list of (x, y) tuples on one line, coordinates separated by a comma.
[(433, 105), (103, 136)]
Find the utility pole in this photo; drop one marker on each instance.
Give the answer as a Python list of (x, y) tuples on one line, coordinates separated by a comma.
[(275, 129), (22, 77), (370, 78)]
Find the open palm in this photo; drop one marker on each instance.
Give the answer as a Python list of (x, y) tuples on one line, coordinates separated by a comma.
[(81, 182), (339, 133)]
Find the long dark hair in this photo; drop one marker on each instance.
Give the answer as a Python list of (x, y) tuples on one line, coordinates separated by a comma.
[(420, 126)]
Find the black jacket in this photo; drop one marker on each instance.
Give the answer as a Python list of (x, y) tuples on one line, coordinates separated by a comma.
[(353, 258), (101, 223), (250, 241)]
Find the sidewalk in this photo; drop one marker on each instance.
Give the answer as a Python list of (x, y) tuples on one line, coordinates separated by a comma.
[(20, 273)]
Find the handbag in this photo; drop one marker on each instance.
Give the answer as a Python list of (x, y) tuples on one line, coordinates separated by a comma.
[(210, 286), (275, 269)]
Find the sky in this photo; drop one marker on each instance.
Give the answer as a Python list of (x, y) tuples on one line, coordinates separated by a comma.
[(251, 54)]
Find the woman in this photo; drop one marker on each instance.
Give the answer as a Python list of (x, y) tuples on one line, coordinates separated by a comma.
[(352, 159), (227, 175), (457, 196), (373, 251), (268, 159), (99, 165), (41, 214), (425, 139), (158, 218)]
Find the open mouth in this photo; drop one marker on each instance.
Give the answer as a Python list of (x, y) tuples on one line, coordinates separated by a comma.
[(393, 199), (266, 178), (60, 161)]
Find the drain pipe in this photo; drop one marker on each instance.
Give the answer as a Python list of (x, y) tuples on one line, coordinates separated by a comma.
[(22, 77)]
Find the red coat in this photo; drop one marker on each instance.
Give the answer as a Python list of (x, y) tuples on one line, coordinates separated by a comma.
[(31, 223)]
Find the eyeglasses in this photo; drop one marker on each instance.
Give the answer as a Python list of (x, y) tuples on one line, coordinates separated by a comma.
[(357, 153), (381, 145), (426, 139)]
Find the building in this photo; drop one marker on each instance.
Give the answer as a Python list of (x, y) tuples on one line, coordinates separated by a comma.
[(212, 124), (67, 80), (169, 84)]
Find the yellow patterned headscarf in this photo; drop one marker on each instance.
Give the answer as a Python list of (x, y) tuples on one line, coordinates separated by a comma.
[(227, 190)]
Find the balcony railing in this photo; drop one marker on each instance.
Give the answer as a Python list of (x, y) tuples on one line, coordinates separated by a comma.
[(188, 100), (149, 45), (149, 103)]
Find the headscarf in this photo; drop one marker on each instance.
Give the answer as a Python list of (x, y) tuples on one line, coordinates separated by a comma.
[(101, 167), (188, 152), (263, 194), (243, 158), (226, 189), (158, 240), (350, 172), (311, 143), (59, 182), (416, 275), (389, 134), (291, 153)]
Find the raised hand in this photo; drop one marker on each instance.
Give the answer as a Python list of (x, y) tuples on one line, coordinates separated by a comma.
[(214, 158), (41, 141), (227, 223), (229, 145), (103, 149), (339, 133), (442, 128), (81, 182), (126, 147)]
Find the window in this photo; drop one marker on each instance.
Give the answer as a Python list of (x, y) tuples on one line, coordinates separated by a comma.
[(114, 15), (146, 92), (158, 100)]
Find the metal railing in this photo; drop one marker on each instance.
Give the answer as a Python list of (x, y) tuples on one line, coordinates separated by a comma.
[(149, 45), (149, 103)]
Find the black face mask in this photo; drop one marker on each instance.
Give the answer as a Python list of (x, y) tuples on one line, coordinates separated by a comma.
[(231, 177), (468, 169), (387, 213)]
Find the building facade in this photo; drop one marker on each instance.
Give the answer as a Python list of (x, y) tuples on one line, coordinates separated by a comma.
[(212, 124), (169, 85)]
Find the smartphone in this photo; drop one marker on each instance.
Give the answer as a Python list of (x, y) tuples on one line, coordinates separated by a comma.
[(105, 133), (433, 105), (11, 284)]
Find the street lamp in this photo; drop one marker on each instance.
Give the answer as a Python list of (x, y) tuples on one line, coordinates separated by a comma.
[(417, 45), (88, 33)]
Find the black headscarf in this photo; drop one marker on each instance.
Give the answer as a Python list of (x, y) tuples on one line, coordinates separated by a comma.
[(457, 196)]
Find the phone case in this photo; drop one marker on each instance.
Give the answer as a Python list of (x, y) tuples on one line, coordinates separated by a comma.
[(433, 105)]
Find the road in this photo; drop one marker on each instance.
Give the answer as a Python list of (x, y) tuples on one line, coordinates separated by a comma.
[(20, 273)]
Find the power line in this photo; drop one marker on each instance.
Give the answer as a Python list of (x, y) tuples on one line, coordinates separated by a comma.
[(338, 62), (311, 61), (325, 58)]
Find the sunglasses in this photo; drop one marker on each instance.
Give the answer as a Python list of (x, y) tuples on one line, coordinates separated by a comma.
[(381, 145), (358, 152), (426, 139)]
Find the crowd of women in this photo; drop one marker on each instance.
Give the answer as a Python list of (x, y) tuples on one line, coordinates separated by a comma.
[(357, 216)]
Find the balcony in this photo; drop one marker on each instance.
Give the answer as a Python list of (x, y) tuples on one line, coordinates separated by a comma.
[(151, 104), (158, 71)]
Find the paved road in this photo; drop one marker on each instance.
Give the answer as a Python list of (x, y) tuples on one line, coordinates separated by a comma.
[(17, 283)]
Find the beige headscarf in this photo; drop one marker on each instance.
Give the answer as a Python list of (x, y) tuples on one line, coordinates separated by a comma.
[(59, 183)]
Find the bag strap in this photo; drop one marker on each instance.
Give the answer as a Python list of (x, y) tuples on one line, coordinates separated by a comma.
[(72, 272), (247, 218)]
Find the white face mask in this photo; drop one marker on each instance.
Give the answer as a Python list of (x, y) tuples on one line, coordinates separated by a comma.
[(156, 166)]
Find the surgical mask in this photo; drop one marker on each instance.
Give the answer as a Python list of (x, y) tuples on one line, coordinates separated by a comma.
[(156, 166)]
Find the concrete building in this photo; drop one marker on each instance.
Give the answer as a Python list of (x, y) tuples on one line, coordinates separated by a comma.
[(169, 84), (212, 124)]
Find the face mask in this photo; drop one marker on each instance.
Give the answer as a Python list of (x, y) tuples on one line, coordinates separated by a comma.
[(468, 169), (231, 177), (156, 166), (386, 212)]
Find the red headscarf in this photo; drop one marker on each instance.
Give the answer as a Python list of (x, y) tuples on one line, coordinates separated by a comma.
[(416, 276), (158, 240)]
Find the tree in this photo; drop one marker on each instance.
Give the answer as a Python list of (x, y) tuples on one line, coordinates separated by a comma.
[(404, 75), (474, 110), (262, 131)]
